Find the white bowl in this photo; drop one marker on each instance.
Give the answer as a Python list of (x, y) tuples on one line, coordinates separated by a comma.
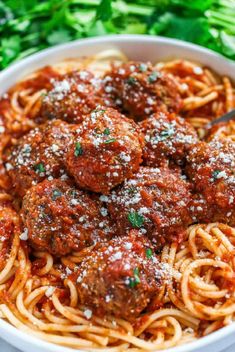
[(136, 47)]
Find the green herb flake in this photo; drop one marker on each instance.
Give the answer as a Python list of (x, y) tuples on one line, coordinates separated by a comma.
[(135, 219), (143, 67), (215, 174), (73, 193), (149, 253), (131, 81), (99, 111), (167, 133), (39, 168), (78, 149), (56, 193), (111, 140), (106, 131), (131, 190), (153, 77), (44, 95), (135, 280)]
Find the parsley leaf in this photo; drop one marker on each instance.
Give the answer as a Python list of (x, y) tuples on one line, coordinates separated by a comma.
[(39, 168), (131, 190), (153, 77), (78, 149), (59, 36), (106, 131), (228, 43), (143, 67), (111, 140), (215, 174), (56, 193), (10, 49), (136, 279), (104, 10), (164, 134), (193, 29), (29, 26), (200, 5), (131, 81), (135, 219), (149, 253)]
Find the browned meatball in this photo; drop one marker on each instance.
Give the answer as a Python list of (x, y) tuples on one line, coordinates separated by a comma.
[(211, 168), (120, 277), (38, 155), (107, 149), (167, 137), (71, 97), (200, 210), (141, 90), (153, 200), (61, 219)]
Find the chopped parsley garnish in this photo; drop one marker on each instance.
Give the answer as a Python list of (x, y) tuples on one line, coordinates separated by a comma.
[(135, 219), (143, 67), (111, 140), (153, 77), (78, 149), (100, 111), (215, 174), (149, 253), (39, 168), (131, 190), (131, 80), (73, 193), (136, 279), (56, 193), (106, 131), (167, 133)]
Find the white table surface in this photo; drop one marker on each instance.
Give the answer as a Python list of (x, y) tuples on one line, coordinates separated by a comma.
[(5, 347)]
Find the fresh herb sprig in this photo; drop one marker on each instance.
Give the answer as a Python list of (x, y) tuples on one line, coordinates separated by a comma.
[(135, 219)]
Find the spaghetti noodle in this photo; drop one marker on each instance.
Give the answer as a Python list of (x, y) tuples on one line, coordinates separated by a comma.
[(197, 296)]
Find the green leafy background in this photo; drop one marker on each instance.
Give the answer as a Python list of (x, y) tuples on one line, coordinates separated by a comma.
[(27, 26)]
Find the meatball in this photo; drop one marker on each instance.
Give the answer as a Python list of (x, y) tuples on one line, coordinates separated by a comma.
[(71, 97), (120, 277), (61, 219), (211, 169), (155, 200), (140, 90), (200, 210), (107, 149), (38, 155), (167, 136)]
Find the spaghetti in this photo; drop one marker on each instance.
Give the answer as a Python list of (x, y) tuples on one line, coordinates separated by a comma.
[(197, 296)]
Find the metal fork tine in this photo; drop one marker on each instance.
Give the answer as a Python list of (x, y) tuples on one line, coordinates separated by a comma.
[(224, 118)]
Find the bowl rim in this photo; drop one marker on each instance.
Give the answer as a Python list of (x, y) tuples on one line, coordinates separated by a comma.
[(15, 66), (34, 341)]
